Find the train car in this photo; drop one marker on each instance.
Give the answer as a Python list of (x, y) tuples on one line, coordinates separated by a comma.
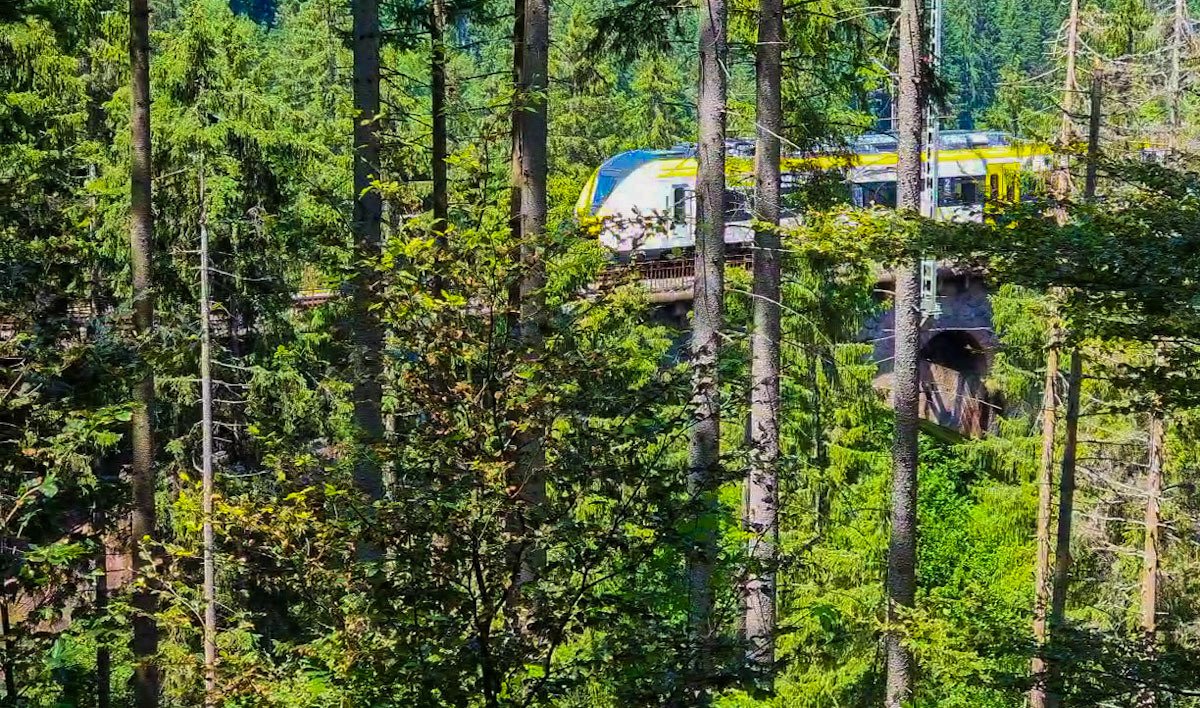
[(643, 201)]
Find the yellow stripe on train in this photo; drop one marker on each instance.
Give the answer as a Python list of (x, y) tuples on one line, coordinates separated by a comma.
[(741, 166)]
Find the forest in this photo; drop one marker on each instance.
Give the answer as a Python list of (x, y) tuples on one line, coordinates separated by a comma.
[(329, 375)]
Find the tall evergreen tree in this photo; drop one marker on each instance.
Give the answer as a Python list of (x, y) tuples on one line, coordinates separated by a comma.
[(704, 447), (142, 474), (528, 485), (437, 86), (1050, 580), (762, 483), (366, 331), (1045, 482), (911, 104), (1179, 32)]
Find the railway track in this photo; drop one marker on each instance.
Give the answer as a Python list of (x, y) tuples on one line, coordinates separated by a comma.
[(666, 279)]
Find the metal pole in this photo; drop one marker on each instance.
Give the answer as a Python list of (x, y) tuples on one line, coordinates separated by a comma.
[(929, 266), (933, 121)]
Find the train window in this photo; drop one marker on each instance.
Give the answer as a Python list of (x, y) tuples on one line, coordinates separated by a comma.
[(959, 191), (679, 203), (876, 194), (969, 191), (994, 186)]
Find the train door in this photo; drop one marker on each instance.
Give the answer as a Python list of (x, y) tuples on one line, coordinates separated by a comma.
[(682, 205), (1003, 182), (1003, 185)]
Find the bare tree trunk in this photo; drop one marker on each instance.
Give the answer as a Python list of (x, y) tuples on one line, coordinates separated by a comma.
[(1050, 679), (1149, 590), (820, 452), (103, 653), (103, 474), (1038, 697), (1062, 175), (528, 486), (1066, 512), (1042, 694), (142, 473), (762, 508), (514, 197), (532, 123), (367, 332), (437, 81), (1066, 494), (1179, 27), (902, 545), (438, 167), (10, 666), (206, 463), (1095, 115), (704, 447)]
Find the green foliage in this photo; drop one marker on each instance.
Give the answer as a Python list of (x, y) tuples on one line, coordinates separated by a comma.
[(330, 599)]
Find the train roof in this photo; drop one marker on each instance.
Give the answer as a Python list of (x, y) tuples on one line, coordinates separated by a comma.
[(621, 165), (872, 143)]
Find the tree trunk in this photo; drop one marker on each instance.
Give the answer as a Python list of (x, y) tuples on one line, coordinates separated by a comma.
[(440, 198), (1062, 175), (762, 508), (367, 332), (1178, 37), (1049, 681), (206, 464), (1095, 115), (820, 452), (1066, 512), (437, 81), (99, 513), (142, 473), (902, 546), (10, 666), (528, 486), (103, 653), (1043, 670), (1038, 695), (514, 197), (704, 447), (1149, 590)]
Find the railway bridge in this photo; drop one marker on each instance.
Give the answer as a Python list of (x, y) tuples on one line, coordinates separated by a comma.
[(957, 341)]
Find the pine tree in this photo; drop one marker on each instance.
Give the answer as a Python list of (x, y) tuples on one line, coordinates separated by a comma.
[(528, 485), (902, 546), (208, 540), (762, 483), (704, 447), (142, 525), (366, 331), (437, 87)]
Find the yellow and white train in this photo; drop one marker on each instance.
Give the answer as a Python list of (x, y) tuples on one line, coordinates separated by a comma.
[(642, 200)]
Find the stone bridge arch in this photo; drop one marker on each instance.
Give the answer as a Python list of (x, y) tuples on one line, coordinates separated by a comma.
[(956, 351)]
